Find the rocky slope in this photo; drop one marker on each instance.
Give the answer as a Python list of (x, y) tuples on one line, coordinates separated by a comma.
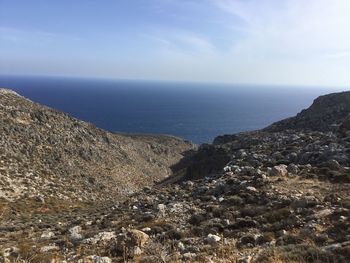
[(325, 114), (265, 196), (48, 154)]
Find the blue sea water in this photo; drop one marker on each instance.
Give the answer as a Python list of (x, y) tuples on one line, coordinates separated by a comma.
[(195, 111)]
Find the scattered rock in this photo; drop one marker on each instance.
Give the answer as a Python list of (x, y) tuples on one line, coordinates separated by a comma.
[(221, 190)]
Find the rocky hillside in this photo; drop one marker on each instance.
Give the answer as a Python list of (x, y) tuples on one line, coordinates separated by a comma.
[(316, 135), (325, 114), (264, 196), (48, 154)]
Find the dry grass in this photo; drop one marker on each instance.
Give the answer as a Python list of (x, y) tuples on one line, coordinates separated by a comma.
[(29, 253), (302, 253)]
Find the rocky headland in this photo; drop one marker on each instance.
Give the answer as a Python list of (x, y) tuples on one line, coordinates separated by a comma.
[(71, 192)]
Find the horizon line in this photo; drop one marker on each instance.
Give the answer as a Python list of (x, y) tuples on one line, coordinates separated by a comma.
[(207, 82)]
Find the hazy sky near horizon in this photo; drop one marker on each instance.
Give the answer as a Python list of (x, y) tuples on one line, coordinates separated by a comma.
[(294, 42)]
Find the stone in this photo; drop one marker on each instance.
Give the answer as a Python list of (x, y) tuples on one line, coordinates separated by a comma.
[(189, 255), (95, 259), (181, 246), (213, 239), (251, 189), (333, 164), (279, 170), (161, 209), (132, 238), (282, 232), (293, 169), (227, 169), (105, 260), (343, 218), (40, 199), (130, 244), (146, 229), (103, 236), (137, 237), (10, 252), (75, 233), (323, 213), (136, 251), (47, 235), (49, 248)]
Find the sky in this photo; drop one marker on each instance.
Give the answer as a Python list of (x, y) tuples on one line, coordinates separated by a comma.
[(290, 42)]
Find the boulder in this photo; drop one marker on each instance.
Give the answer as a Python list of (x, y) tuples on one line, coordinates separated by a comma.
[(161, 209), (75, 233), (137, 237), (130, 243), (213, 239), (251, 189), (47, 235), (279, 170)]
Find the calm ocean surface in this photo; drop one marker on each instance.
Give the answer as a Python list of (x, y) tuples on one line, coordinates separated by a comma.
[(194, 111)]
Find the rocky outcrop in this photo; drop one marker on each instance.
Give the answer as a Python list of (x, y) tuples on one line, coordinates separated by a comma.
[(277, 151), (317, 135)]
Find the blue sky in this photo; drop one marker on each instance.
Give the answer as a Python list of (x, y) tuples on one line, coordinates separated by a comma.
[(294, 42)]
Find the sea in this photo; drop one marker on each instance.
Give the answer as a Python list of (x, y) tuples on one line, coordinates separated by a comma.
[(197, 112)]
